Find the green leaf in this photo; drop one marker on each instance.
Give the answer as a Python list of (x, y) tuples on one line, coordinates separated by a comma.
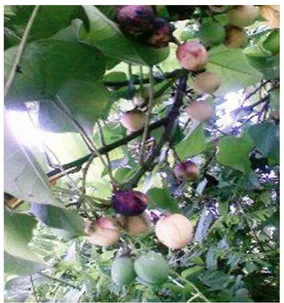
[(18, 233), (24, 178), (274, 99), (160, 197), (18, 266), (215, 279), (265, 137), (106, 36), (233, 68), (59, 218), (191, 271), (194, 144), (234, 152)]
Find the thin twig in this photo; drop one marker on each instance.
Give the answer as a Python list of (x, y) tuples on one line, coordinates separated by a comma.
[(33, 288), (58, 280), (20, 51)]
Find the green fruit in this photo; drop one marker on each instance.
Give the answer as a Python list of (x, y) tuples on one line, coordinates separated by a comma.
[(212, 33), (152, 268), (122, 271), (272, 42)]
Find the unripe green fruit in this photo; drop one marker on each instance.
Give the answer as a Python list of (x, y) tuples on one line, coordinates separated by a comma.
[(206, 83), (212, 33), (152, 268), (242, 15), (235, 37), (133, 120), (122, 271), (272, 42)]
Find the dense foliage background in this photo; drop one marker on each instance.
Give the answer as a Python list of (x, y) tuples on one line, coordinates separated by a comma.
[(78, 72)]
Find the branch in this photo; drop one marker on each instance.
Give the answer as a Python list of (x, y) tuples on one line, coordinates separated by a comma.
[(20, 51)]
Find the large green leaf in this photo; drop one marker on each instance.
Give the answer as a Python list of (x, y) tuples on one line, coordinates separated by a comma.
[(160, 197), (104, 34), (194, 144), (18, 266), (232, 67), (18, 233), (265, 137), (24, 178), (234, 152)]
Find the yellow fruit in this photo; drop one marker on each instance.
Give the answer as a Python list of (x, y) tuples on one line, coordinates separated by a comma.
[(199, 110), (235, 36), (271, 13), (242, 15), (133, 120), (174, 231), (103, 232), (206, 83), (135, 225)]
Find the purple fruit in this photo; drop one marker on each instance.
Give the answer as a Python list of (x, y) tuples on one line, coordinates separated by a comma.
[(129, 202)]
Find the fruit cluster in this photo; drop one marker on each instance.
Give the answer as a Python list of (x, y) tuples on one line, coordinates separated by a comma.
[(140, 21)]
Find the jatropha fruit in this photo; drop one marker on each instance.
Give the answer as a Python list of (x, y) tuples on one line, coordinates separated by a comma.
[(236, 37), (122, 271), (133, 120), (136, 19), (187, 170), (192, 55), (129, 202), (242, 15), (174, 231), (103, 232), (199, 110), (219, 8), (135, 225), (206, 83)]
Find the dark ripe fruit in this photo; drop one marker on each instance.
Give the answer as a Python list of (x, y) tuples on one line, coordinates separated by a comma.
[(235, 37), (122, 271), (136, 19), (242, 15), (135, 225), (199, 110), (129, 202), (272, 42), (206, 83), (212, 33), (174, 231), (162, 33), (219, 8), (152, 268), (192, 55), (186, 171), (133, 120), (103, 232)]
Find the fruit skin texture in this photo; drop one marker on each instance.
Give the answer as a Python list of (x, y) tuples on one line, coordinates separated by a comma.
[(272, 42), (192, 56), (122, 271), (136, 19), (235, 37), (129, 202), (186, 171), (219, 8), (174, 231), (133, 120), (271, 13), (199, 110), (135, 225), (212, 33), (206, 83), (152, 268), (103, 232), (242, 15)]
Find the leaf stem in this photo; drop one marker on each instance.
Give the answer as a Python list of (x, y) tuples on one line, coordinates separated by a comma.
[(58, 280)]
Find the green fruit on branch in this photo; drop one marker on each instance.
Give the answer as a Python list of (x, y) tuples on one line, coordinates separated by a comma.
[(206, 83), (133, 120), (186, 171), (219, 8), (236, 37), (103, 232), (272, 42), (242, 15), (212, 33), (192, 56), (136, 19), (174, 231), (199, 111), (135, 225), (122, 271), (152, 268), (129, 202)]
